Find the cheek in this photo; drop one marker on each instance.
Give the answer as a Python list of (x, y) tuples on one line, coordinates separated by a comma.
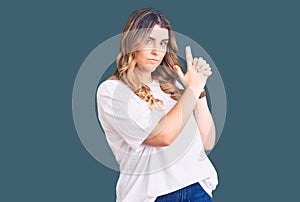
[(163, 55), (139, 57), (142, 54)]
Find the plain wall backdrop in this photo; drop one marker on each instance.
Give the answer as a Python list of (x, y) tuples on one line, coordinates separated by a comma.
[(255, 45)]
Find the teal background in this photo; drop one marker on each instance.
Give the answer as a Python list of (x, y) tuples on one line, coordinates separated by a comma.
[(255, 45)]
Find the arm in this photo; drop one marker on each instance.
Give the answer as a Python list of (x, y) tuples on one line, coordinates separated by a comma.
[(169, 127), (205, 123), (173, 122)]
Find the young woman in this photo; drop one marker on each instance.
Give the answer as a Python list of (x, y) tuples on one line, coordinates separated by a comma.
[(157, 129)]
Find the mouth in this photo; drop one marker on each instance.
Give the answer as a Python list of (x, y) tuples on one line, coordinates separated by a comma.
[(153, 60)]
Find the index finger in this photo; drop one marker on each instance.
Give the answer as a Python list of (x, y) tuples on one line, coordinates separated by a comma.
[(188, 56)]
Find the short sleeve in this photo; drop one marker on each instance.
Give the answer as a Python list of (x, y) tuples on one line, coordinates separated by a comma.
[(124, 112)]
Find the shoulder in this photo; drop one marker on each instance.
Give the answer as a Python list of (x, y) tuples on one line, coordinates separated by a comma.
[(109, 83), (114, 90), (110, 86)]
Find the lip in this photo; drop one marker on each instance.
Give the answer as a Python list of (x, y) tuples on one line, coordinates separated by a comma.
[(153, 60)]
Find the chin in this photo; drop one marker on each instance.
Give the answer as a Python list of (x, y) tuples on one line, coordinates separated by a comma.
[(152, 67)]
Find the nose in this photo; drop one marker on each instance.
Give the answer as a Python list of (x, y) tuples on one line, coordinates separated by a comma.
[(155, 50)]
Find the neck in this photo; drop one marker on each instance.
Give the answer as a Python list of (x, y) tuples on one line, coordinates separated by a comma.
[(145, 77), (147, 80)]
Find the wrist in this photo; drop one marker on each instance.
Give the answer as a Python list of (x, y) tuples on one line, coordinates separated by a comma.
[(196, 91)]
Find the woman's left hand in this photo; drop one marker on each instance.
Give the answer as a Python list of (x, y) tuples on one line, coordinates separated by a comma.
[(199, 64), (202, 67)]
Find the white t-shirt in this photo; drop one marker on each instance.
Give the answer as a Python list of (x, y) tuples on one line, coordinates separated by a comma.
[(147, 172)]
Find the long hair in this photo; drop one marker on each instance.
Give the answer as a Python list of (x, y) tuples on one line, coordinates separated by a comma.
[(135, 32)]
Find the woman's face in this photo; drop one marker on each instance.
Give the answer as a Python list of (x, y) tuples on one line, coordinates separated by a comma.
[(149, 57)]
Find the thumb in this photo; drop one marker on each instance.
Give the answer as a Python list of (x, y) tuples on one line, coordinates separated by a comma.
[(188, 57), (180, 74)]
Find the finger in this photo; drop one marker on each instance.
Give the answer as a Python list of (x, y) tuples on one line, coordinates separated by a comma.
[(198, 66), (188, 56), (205, 68), (207, 74), (195, 62), (203, 61), (202, 72), (180, 74)]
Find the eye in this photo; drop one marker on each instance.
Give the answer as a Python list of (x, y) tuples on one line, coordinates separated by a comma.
[(164, 43), (148, 41)]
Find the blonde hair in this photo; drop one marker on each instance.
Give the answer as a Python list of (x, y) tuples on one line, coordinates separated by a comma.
[(136, 30)]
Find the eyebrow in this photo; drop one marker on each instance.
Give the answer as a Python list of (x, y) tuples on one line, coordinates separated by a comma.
[(155, 39)]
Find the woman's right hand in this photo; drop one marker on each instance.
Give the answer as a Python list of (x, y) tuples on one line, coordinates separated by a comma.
[(198, 70)]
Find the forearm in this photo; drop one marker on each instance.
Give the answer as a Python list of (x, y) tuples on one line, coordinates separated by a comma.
[(173, 122), (205, 123)]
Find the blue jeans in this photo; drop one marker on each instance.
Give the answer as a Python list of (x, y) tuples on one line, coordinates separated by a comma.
[(191, 193)]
